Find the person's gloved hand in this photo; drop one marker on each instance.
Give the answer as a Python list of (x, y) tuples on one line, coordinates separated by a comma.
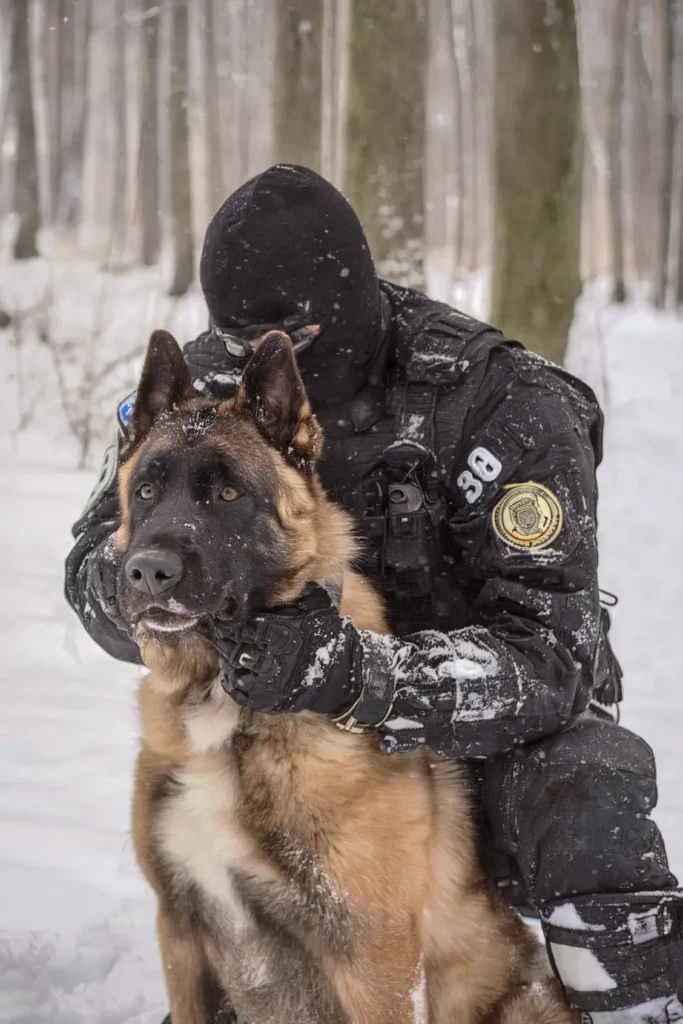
[(301, 656), (103, 572)]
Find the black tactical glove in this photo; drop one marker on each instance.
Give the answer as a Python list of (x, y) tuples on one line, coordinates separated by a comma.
[(301, 656), (103, 570)]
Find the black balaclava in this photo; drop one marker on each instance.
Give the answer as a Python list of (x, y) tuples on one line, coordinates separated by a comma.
[(285, 239)]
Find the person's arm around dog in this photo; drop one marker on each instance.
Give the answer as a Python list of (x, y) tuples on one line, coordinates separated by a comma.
[(482, 689)]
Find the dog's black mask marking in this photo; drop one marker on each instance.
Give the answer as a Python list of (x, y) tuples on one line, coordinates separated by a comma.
[(201, 495)]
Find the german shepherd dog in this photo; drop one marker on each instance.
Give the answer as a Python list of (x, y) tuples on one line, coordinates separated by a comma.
[(302, 876)]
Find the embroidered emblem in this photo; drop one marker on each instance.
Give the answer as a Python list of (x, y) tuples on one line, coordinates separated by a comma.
[(527, 516)]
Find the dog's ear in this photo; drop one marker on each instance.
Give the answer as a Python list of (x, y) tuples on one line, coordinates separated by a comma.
[(273, 394), (165, 383)]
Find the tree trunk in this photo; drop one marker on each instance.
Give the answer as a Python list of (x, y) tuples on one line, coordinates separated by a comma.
[(638, 138), (615, 111), (76, 71), (119, 113), (26, 202), (679, 275), (181, 191), (662, 29), (54, 29), (215, 178), (386, 131), (475, 158), (334, 80), (149, 136), (298, 82), (457, 232), (537, 170), (679, 63)]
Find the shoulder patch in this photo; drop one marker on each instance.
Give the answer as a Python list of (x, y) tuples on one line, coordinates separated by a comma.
[(124, 412), (529, 515)]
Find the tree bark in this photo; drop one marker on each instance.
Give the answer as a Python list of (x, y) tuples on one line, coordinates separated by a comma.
[(26, 201), (298, 82), (615, 112), (215, 178), (475, 156), (679, 273), (148, 157), (537, 172), (386, 131), (662, 28), (679, 188), (119, 113), (638, 138), (457, 230), (181, 191), (76, 59), (334, 79), (54, 29)]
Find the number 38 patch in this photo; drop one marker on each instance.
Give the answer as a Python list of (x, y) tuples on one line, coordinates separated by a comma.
[(527, 516)]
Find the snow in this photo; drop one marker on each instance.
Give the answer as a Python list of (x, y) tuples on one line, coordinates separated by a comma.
[(76, 921), (580, 969), (565, 915)]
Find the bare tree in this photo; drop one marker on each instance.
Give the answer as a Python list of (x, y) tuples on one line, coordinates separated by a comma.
[(298, 82), (181, 189), (679, 189), (119, 101), (386, 131), (76, 58), (52, 49), (26, 201), (537, 162), (470, 36), (638, 139), (148, 154), (6, 105), (456, 233), (215, 178), (615, 105), (679, 273), (334, 81), (662, 26)]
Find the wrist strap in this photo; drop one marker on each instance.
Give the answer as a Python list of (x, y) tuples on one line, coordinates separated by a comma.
[(348, 722), (375, 702)]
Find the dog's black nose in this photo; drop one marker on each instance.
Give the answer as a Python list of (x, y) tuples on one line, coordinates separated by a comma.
[(154, 570)]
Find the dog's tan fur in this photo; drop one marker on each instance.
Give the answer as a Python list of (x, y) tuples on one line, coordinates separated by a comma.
[(267, 810)]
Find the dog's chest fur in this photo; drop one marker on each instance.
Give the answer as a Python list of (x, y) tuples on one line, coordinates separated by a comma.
[(198, 830)]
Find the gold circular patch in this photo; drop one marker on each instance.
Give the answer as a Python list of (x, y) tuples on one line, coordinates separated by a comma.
[(528, 516)]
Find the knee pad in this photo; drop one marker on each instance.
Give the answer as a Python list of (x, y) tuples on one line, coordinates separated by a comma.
[(616, 954)]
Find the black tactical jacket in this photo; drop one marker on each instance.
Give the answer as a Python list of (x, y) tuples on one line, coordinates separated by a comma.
[(471, 475)]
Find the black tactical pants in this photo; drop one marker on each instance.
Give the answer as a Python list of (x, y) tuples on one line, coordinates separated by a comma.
[(565, 830)]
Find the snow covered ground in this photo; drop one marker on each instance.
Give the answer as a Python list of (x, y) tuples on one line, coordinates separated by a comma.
[(76, 922)]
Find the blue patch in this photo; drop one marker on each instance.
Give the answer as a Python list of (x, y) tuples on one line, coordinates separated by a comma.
[(125, 411)]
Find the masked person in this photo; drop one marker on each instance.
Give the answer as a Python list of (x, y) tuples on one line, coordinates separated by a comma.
[(469, 465)]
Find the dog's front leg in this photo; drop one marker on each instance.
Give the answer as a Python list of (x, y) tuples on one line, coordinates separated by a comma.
[(194, 995)]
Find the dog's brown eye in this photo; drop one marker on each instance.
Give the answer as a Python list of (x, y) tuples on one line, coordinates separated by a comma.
[(145, 491), (228, 494)]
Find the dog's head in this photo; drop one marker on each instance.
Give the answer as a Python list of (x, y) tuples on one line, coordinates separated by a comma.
[(221, 505)]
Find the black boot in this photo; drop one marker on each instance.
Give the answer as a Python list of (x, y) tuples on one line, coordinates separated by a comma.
[(619, 956)]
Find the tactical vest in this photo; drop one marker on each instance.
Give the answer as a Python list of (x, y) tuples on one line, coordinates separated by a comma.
[(389, 460), (390, 457)]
